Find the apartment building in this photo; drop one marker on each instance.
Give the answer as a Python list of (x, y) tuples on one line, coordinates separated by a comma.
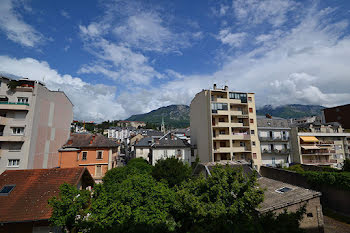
[(224, 127), (93, 151), (339, 114), (274, 136), (135, 124), (121, 133), (34, 124), (320, 144)]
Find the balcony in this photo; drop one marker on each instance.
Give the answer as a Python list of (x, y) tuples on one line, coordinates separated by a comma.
[(13, 106), (235, 113), (316, 153), (222, 137), (280, 152), (3, 120), (240, 136), (239, 125), (240, 149), (222, 124), (11, 138), (274, 139), (317, 162), (222, 150), (219, 112)]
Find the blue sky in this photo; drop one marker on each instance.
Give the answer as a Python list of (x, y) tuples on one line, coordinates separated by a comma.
[(118, 58)]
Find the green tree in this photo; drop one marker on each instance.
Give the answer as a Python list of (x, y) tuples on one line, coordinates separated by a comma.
[(171, 170), (346, 166), (138, 204), (70, 208)]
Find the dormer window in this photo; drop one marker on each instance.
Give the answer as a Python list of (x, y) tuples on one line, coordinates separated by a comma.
[(5, 191)]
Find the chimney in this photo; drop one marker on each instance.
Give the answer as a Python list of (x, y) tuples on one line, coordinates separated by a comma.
[(226, 88), (214, 86), (268, 116), (70, 142), (93, 138)]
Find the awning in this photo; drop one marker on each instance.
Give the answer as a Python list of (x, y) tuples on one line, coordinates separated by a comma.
[(309, 139), (310, 147)]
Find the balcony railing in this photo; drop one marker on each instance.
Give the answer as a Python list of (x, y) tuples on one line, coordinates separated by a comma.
[(16, 103), (274, 139), (317, 161), (284, 151)]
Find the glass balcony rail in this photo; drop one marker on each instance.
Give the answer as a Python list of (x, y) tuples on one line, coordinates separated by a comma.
[(284, 151), (16, 103)]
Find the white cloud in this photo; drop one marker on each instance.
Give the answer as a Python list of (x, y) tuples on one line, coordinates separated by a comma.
[(260, 11), (12, 24), (65, 14), (91, 102), (232, 39)]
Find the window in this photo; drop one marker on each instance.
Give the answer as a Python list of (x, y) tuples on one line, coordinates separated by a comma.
[(241, 96), (7, 189), (240, 120), (99, 155), (309, 215), (13, 163), (222, 132), (179, 154), (84, 155), (141, 151), (77, 156), (15, 147), (219, 106), (250, 109), (253, 143), (254, 156), (249, 99), (273, 160), (22, 100), (251, 121), (252, 132), (283, 190), (165, 153), (98, 170), (241, 144), (18, 130)]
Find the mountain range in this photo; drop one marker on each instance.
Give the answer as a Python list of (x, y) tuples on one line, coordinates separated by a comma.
[(178, 116)]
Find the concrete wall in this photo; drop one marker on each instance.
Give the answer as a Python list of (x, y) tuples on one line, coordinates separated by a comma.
[(333, 198), (163, 153), (200, 120), (142, 153)]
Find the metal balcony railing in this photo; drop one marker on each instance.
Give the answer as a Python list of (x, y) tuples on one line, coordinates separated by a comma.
[(16, 103)]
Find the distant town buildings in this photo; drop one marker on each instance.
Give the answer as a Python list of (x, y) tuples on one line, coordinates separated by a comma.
[(135, 124), (121, 133), (339, 114), (320, 144), (224, 126), (34, 124), (274, 136), (93, 151)]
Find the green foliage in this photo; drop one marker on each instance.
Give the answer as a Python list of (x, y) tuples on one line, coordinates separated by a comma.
[(13, 84), (171, 170), (70, 203), (346, 166), (291, 110), (297, 168), (131, 200)]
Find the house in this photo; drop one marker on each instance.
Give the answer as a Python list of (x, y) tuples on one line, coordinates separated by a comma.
[(224, 127), (155, 148), (34, 124), (274, 136), (93, 151), (320, 144), (24, 196), (278, 196)]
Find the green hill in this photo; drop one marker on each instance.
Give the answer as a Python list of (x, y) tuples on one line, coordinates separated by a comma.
[(291, 110), (175, 116)]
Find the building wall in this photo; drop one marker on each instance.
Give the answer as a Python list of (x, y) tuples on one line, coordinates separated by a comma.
[(338, 114), (142, 153), (200, 114), (163, 153), (46, 122), (74, 159), (254, 137)]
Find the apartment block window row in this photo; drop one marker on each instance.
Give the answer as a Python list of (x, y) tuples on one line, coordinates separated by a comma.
[(241, 96), (13, 163), (18, 130), (23, 100), (219, 106)]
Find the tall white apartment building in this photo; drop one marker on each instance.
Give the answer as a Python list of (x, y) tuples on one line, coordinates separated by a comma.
[(34, 124), (224, 127)]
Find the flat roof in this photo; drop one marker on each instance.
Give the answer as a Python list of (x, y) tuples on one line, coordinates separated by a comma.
[(325, 134)]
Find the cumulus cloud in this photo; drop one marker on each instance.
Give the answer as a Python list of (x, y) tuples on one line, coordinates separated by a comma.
[(91, 102), (15, 28)]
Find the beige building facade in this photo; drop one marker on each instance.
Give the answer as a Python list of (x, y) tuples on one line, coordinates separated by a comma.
[(224, 126), (34, 124)]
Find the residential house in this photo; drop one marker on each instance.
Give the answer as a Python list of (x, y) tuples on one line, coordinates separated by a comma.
[(93, 151), (24, 196), (121, 133), (34, 124), (224, 127), (320, 144), (274, 136)]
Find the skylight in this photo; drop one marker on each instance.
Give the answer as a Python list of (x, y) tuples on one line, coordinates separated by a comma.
[(7, 189), (283, 190)]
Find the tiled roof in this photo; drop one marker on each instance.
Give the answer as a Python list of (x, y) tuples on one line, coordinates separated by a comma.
[(144, 142), (34, 187), (273, 123), (81, 140), (169, 140)]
